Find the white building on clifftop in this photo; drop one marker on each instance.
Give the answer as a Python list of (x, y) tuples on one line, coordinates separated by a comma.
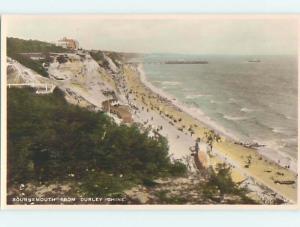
[(70, 44)]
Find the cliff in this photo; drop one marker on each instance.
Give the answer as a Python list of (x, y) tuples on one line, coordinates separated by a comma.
[(87, 79)]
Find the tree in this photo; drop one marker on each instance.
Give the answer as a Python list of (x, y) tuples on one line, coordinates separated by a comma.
[(220, 183), (51, 140)]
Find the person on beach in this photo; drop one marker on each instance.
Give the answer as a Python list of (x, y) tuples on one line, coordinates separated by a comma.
[(210, 147), (197, 147)]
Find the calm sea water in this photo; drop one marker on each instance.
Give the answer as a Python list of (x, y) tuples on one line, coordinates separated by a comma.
[(254, 102)]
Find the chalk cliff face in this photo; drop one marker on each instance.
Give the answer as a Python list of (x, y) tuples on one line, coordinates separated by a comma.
[(83, 80), (17, 73)]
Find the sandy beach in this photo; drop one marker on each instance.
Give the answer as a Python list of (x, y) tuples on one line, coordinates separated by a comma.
[(265, 177)]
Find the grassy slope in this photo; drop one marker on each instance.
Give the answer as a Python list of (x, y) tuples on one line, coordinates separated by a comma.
[(16, 46)]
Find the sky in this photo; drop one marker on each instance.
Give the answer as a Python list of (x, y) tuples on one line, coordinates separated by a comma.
[(150, 34)]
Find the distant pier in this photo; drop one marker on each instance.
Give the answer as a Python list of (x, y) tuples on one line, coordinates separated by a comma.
[(169, 62)]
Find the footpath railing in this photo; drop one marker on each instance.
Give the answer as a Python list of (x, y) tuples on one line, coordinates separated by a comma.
[(41, 88)]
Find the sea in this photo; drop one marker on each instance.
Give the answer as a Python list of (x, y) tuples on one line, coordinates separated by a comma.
[(252, 99)]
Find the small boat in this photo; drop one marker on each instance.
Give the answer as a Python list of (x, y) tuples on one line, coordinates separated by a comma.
[(284, 182), (254, 61)]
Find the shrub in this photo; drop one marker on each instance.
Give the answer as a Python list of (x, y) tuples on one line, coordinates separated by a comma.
[(164, 198), (49, 140), (34, 65), (220, 183), (17, 46), (99, 57), (102, 185), (178, 168)]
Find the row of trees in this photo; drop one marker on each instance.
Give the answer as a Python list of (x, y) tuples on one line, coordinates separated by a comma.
[(15, 48), (16, 45)]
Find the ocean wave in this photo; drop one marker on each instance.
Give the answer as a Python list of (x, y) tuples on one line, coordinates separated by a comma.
[(232, 118), (291, 140), (281, 130), (278, 130), (274, 152), (170, 83), (195, 112), (194, 96), (290, 118), (247, 110), (274, 148), (187, 89), (232, 100), (212, 101)]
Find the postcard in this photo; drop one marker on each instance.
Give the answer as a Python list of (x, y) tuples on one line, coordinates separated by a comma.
[(149, 111)]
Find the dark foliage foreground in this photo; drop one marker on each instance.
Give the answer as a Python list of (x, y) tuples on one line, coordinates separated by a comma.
[(51, 140)]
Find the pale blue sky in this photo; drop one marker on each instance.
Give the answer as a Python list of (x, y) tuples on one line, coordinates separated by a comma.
[(189, 35), (150, 6)]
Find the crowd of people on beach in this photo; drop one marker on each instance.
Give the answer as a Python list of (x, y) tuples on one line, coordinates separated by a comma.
[(144, 102), (142, 99), (154, 102)]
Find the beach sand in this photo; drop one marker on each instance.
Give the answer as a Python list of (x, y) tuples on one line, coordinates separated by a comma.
[(175, 124)]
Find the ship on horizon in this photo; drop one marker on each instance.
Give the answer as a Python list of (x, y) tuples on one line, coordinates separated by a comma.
[(254, 61)]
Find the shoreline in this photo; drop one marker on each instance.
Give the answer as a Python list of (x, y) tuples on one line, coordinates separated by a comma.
[(198, 114), (225, 151)]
